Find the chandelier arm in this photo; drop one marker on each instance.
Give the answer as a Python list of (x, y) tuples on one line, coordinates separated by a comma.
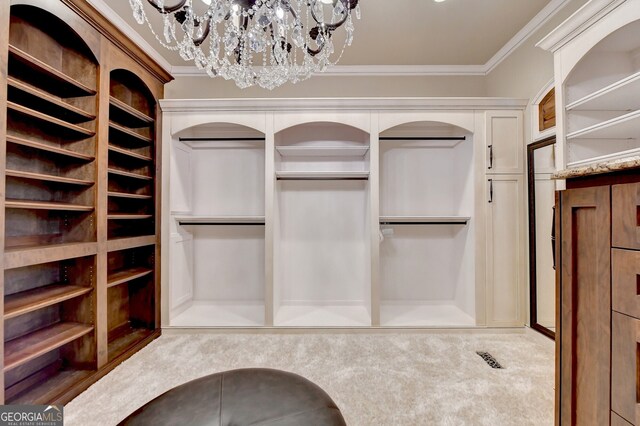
[(169, 9), (205, 33), (347, 4)]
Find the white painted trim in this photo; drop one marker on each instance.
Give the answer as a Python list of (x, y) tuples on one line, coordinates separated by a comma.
[(367, 71), (548, 12), (575, 24), (106, 11), (192, 106)]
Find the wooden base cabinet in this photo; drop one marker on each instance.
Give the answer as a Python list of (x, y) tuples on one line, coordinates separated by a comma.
[(77, 131), (599, 323)]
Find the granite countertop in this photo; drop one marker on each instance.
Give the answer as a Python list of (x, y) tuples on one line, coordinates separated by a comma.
[(599, 168)]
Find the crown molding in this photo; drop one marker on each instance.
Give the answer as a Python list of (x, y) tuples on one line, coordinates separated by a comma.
[(367, 71), (106, 11), (361, 70), (191, 106), (547, 12), (575, 24)]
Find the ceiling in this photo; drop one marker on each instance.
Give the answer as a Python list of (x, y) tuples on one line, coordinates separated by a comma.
[(407, 32)]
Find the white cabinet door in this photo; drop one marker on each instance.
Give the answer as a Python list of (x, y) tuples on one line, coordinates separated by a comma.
[(505, 227), (505, 145)]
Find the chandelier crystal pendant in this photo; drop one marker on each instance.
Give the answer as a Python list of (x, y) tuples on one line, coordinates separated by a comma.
[(254, 42)]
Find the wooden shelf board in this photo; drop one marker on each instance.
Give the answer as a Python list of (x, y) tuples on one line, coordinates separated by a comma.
[(45, 205), (17, 84), (48, 148), (48, 178), (126, 275), (129, 132), (624, 127), (619, 96), (27, 256), (48, 387), (322, 151), (129, 174), (128, 153), (120, 345), (49, 119), (427, 220), (43, 68), (124, 216), (31, 300), (117, 244), (128, 109), (23, 349), (128, 195), (321, 175), (219, 220)]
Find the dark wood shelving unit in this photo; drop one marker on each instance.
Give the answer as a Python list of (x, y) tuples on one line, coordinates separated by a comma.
[(80, 287)]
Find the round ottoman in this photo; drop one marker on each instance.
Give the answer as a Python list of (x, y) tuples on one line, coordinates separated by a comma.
[(250, 396)]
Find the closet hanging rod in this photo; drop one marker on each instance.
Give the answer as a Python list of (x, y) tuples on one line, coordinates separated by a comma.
[(424, 138), (322, 178), (218, 139), (222, 223), (424, 223)]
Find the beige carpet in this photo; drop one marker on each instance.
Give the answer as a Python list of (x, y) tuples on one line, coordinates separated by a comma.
[(376, 379)]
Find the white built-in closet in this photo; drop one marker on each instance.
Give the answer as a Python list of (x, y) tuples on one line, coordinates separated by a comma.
[(341, 213), (427, 274)]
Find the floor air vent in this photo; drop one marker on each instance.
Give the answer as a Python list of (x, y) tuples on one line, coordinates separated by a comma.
[(489, 359)]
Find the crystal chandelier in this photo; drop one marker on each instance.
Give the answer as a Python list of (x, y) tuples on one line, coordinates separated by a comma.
[(254, 42)]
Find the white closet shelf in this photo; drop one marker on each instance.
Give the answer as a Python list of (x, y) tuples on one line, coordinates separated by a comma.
[(323, 316), (423, 314), (619, 96), (624, 127), (605, 158), (424, 220), (221, 314), (322, 151), (219, 220), (321, 175)]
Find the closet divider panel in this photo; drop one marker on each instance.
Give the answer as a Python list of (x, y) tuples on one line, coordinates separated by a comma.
[(4, 56)]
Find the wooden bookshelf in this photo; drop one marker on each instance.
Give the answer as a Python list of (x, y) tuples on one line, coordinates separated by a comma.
[(80, 199)]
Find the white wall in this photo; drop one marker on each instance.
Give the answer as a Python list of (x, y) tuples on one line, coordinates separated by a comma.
[(321, 86)]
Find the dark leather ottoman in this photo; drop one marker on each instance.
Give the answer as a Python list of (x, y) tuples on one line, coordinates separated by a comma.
[(251, 396)]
